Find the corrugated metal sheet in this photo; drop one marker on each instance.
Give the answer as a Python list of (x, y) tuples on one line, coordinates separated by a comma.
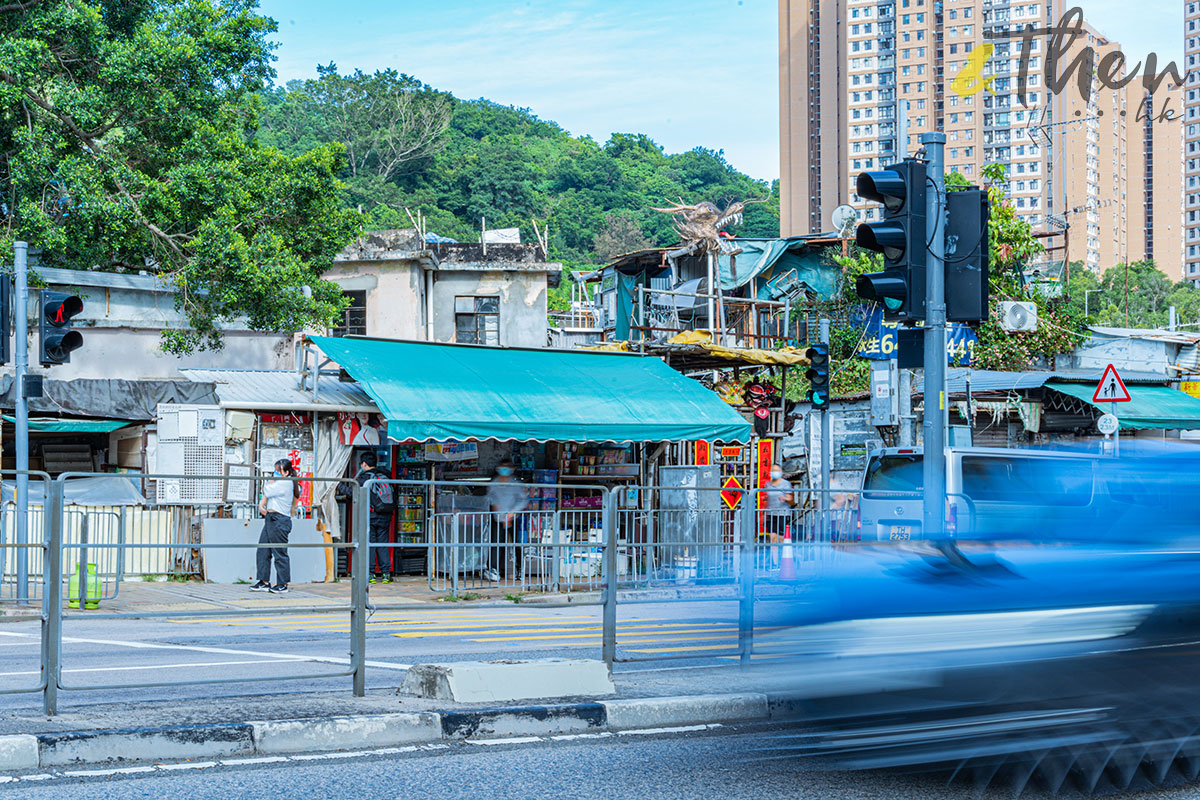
[(274, 389), (983, 380), (1154, 334)]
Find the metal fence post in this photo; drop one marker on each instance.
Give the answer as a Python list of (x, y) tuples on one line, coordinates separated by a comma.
[(358, 589), (609, 638), (52, 605), (83, 557), (745, 520)]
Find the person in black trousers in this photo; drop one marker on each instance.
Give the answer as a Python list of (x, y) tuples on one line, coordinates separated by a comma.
[(278, 506), (383, 506)]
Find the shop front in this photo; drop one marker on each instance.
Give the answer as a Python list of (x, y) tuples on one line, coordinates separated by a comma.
[(573, 424)]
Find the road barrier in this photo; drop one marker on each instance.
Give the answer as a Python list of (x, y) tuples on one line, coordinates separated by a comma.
[(630, 545)]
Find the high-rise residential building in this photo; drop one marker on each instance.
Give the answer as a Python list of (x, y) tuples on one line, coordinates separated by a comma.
[(1191, 139), (1069, 160)]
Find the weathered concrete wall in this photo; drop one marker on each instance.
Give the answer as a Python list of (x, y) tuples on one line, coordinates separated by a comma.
[(1130, 355), (394, 292), (522, 303)]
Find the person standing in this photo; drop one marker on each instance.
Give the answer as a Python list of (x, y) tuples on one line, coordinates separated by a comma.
[(780, 502), (382, 508), (277, 506), (506, 498)]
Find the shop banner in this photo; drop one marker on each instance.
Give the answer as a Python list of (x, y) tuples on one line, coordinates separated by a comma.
[(880, 338), (359, 430), (766, 457), (703, 453), (451, 451)]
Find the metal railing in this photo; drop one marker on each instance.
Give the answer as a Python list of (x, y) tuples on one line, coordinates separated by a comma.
[(697, 544)]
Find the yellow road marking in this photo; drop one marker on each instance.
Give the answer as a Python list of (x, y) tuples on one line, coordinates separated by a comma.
[(573, 629), (650, 636), (680, 649)]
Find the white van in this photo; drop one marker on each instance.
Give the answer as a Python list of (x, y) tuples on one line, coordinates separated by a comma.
[(1009, 493)]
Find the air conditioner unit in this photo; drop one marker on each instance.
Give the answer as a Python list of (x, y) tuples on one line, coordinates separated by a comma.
[(1016, 316)]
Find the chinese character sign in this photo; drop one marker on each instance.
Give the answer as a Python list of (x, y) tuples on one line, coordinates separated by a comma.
[(880, 339)]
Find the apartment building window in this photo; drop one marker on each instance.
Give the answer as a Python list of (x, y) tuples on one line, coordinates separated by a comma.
[(953, 49), (968, 29), (477, 320), (354, 316), (953, 14), (967, 13), (920, 34), (952, 32)]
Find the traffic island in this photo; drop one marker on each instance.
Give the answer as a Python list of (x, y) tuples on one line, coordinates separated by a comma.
[(509, 680)]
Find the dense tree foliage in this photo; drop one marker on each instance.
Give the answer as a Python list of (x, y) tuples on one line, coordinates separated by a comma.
[(509, 167), (128, 141), (1137, 295)]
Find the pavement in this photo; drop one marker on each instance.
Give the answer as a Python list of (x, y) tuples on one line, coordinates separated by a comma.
[(141, 687)]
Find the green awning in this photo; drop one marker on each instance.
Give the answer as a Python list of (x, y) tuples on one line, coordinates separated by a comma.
[(56, 425), (1152, 406), (443, 391)]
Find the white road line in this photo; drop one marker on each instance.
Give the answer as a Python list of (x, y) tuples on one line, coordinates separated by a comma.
[(95, 773), (238, 762), (680, 729), (511, 740), (156, 666), (218, 650), (567, 737), (187, 765)]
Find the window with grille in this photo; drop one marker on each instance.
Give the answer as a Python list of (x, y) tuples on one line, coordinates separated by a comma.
[(477, 320), (354, 316)]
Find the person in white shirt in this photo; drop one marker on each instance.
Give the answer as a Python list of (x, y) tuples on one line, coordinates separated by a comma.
[(506, 497), (278, 504)]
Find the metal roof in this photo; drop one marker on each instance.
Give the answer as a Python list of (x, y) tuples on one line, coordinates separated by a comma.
[(1152, 334), (985, 380), (279, 390)]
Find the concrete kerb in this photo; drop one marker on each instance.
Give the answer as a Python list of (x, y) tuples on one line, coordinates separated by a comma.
[(33, 751)]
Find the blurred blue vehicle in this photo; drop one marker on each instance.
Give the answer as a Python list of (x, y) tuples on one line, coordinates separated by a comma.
[(1055, 643)]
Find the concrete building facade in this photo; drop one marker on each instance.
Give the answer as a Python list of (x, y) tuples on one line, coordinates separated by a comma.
[(401, 287)]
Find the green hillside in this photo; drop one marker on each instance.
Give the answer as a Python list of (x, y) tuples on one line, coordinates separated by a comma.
[(463, 161)]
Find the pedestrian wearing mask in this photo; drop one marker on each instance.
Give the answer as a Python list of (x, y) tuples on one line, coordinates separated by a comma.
[(506, 497), (278, 505), (780, 502)]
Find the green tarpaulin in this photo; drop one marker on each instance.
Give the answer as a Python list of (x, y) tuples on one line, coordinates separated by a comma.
[(54, 424), (1152, 406), (778, 264), (442, 391)]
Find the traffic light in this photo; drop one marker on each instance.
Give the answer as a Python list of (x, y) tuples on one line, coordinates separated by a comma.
[(967, 255), (900, 236), (818, 375), (57, 340), (6, 328)]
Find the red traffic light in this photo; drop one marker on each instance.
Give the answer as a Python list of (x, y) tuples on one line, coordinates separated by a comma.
[(60, 308)]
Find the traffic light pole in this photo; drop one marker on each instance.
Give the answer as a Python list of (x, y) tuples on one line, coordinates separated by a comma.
[(826, 439), (21, 326), (935, 338)]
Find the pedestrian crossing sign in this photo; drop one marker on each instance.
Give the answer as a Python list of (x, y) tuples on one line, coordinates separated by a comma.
[(1111, 388)]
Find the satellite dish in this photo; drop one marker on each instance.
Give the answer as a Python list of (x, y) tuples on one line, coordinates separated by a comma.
[(844, 217)]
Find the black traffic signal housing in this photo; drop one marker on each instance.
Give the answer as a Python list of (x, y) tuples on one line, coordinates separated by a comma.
[(900, 237), (818, 375), (6, 319), (967, 250), (57, 340)]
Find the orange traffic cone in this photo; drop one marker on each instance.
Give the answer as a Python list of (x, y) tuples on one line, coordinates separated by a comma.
[(787, 564)]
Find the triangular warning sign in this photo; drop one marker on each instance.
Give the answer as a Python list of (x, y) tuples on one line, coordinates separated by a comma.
[(1111, 388)]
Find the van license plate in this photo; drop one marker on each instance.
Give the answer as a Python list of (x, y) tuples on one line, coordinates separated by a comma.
[(900, 533)]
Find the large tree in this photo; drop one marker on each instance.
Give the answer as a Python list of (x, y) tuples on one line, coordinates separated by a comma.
[(128, 141)]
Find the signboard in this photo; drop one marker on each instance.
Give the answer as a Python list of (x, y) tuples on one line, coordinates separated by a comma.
[(1107, 424), (1190, 387), (703, 453), (731, 453), (880, 339), (730, 491), (451, 451), (766, 458), (1111, 388)]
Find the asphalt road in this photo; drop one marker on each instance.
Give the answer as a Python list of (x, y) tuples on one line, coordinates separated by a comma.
[(726, 763), (242, 649)]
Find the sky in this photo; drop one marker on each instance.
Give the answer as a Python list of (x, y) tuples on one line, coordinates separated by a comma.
[(688, 73)]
